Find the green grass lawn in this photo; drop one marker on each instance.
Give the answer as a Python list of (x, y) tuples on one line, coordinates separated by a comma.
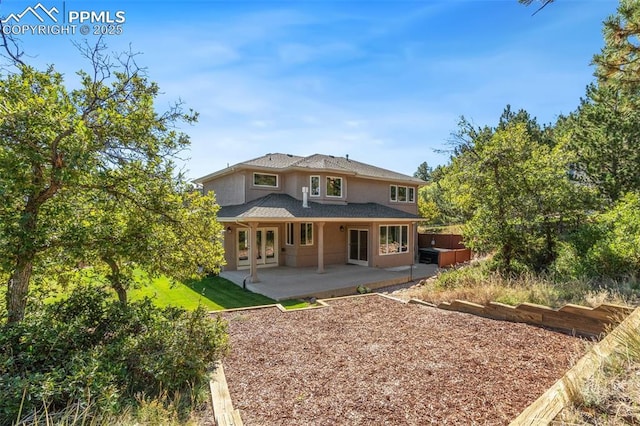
[(214, 293)]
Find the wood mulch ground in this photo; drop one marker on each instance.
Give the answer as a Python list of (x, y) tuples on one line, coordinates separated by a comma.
[(371, 360)]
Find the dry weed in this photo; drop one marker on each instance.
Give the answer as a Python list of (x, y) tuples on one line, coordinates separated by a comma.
[(612, 395)]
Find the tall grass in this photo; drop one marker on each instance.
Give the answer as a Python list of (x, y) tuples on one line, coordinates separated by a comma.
[(162, 410), (479, 284), (612, 395)]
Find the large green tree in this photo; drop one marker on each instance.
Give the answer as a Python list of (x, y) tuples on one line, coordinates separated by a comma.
[(605, 136), (618, 63), (606, 126), (513, 183), (103, 144), (423, 172), (434, 202), (152, 222)]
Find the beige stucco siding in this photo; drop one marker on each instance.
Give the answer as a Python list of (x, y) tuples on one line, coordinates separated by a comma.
[(335, 244), (254, 192), (239, 188), (292, 185), (229, 190), (373, 191), (230, 248), (368, 191), (296, 255), (297, 180)]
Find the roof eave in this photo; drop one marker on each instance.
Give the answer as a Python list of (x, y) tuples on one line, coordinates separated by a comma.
[(241, 219), (236, 168), (217, 174)]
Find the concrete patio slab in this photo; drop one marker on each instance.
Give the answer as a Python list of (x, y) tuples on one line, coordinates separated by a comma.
[(283, 282)]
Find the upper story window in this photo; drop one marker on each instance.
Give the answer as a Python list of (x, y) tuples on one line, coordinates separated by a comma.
[(334, 186), (402, 194), (265, 179), (315, 186)]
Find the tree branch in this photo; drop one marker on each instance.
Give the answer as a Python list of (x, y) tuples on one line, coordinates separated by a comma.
[(7, 42)]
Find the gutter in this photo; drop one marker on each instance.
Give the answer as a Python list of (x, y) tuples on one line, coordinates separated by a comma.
[(315, 219)]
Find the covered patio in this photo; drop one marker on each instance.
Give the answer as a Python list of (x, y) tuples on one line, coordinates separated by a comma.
[(284, 282)]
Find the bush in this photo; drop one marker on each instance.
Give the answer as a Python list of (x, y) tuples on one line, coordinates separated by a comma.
[(92, 351), (473, 275), (363, 290), (606, 248)]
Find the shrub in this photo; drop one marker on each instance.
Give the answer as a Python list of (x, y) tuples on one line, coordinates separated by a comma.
[(363, 290), (606, 248), (91, 350)]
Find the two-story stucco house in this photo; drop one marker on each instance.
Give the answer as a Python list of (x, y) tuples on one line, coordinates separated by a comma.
[(282, 209)]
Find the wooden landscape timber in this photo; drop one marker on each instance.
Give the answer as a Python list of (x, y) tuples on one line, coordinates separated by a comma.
[(574, 319), (223, 411), (560, 395)]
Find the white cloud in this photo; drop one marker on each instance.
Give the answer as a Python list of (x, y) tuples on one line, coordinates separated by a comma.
[(383, 82)]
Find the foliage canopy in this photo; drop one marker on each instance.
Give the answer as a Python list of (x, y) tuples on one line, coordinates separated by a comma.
[(87, 178)]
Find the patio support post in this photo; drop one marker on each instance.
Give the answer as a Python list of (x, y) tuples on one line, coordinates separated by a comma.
[(253, 252), (320, 247)]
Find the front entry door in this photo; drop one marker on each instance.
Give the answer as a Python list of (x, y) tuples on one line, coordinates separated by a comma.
[(359, 246), (266, 246)]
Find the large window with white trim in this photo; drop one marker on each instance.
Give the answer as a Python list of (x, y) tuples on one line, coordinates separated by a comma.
[(334, 186), (314, 184), (402, 194), (394, 239), (265, 179), (306, 234)]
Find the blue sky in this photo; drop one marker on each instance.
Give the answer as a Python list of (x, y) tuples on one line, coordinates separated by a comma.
[(382, 81)]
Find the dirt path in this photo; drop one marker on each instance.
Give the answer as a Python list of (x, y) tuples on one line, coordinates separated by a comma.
[(375, 361)]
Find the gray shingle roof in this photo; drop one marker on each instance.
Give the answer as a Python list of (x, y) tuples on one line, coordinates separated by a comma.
[(282, 206), (275, 161), (316, 162), (329, 162)]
